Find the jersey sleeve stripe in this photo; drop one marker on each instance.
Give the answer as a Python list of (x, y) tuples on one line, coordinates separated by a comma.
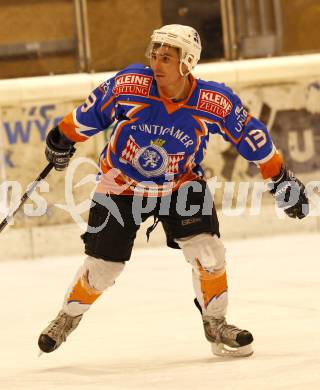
[(107, 103), (271, 167), (68, 128)]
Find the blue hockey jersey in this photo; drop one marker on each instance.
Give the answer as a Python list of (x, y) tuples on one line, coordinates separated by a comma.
[(160, 143)]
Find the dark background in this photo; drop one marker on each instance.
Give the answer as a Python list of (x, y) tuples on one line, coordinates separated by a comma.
[(120, 30)]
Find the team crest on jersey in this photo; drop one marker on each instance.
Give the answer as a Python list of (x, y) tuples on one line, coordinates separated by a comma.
[(214, 102), (151, 160), (132, 84)]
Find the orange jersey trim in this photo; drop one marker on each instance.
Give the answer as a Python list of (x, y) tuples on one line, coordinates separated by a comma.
[(136, 107), (107, 103), (68, 128), (174, 106), (272, 167)]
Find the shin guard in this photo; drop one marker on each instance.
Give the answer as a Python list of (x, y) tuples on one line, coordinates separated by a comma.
[(93, 277)]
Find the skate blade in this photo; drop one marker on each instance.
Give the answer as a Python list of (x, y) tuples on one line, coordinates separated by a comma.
[(225, 351), (40, 353)]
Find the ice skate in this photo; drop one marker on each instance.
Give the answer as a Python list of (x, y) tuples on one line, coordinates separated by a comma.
[(57, 331), (225, 339)]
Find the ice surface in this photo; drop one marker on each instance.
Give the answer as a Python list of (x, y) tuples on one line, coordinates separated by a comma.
[(145, 333)]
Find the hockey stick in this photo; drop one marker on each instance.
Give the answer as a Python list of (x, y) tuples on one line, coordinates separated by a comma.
[(26, 195)]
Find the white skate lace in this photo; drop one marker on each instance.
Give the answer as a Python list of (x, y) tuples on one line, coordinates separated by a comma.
[(223, 338), (229, 331), (221, 330), (61, 327)]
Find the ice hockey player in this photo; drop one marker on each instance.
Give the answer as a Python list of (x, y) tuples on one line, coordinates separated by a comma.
[(162, 119)]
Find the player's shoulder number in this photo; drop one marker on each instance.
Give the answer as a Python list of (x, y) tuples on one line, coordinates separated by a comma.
[(90, 101)]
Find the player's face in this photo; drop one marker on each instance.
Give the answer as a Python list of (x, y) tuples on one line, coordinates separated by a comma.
[(165, 61)]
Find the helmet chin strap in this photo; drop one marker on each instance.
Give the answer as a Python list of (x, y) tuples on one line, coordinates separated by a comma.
[(181, 70), (187, 63)]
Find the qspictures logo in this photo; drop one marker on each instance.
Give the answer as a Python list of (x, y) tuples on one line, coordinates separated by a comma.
[(214, 102), (132, 84)]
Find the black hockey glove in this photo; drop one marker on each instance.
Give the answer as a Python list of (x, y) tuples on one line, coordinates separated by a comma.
[(289, 194), (59, 149)]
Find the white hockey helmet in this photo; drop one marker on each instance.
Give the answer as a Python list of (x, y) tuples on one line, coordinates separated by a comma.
[(182, 37)]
